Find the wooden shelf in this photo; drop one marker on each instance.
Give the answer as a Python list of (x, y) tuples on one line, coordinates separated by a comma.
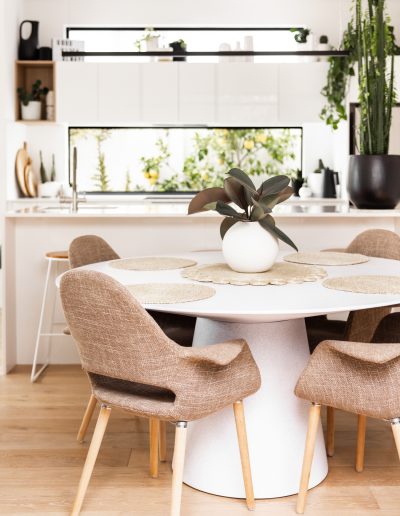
[(26, 73)]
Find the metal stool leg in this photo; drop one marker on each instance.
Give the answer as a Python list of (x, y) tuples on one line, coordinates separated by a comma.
[(35, 374)]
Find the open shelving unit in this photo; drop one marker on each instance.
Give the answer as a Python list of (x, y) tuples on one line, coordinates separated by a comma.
[(26, 73)]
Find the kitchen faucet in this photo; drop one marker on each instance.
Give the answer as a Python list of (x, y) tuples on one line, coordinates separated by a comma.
[(75, 199)]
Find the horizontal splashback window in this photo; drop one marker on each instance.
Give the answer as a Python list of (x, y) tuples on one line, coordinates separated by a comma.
[(179, 159)]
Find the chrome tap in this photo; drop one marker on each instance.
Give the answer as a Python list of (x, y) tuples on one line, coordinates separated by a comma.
[(75, 199)]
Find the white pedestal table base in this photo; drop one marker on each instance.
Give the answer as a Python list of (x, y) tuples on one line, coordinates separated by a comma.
[(276, 419)]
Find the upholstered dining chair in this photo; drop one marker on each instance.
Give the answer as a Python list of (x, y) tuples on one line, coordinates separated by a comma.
[(88, 249), (133, 365), (363, 378), (360, 325)]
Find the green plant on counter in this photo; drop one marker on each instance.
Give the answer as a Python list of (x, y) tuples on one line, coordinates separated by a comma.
[(255, 204), (53, 168), (370, 41), (35, 94), (152, 166), (101, 178), (300, 34), (42, 170)]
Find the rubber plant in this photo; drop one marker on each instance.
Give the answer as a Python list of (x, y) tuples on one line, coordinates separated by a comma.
[(254, 204)]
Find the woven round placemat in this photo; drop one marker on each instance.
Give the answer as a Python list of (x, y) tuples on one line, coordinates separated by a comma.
[(168, 293), (326, 258), (152, 263), (365, 284), (279, 274)]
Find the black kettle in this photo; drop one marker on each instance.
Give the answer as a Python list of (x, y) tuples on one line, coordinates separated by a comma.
[(329, 181), (27, 48)]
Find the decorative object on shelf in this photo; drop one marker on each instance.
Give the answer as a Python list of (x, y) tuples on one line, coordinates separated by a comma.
[(31, 103), (300, 34), (250, 237), (30, 180), (53, 168), (45, 54), (22, 159), (42, 170), (179, 47), (374, 176), (224, 47), (365, 284), (50, 113), (304, 40), (151, 38), (330, 179), (305, 191), (170, 293), (326, 258), (315, 179), (248, 45), (27, 47), (323, 46), (279, 274), (152, 263), (297, 183), (60, 45)]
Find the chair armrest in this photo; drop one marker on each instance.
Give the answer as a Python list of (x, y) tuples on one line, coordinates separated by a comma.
[(216, 354), (365, 352)]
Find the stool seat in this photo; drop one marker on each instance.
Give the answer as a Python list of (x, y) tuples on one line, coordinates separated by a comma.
[(58, 255)]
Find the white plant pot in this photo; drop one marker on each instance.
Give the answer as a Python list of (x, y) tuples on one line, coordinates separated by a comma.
[(315, 183), (32, 111), (50, 189), (247, 247)]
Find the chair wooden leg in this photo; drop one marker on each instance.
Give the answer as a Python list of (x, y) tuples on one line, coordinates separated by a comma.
[(244, 453), (360, 450), (91, 457), (396, 433), (154, 428), (86, 419), (313, 420), (163, 441), (179, 461), (330, 431)]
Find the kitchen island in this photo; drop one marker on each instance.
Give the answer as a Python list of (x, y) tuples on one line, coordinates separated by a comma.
[(138, 228)]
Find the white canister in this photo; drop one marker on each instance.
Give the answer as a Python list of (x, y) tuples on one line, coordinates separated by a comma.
[(51, 189), (314, 181)]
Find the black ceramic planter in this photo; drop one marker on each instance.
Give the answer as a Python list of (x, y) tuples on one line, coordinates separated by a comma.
[(374, 181)]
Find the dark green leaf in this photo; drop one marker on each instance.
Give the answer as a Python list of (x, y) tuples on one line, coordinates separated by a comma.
[(242, 178), (226, 224), (272, 200), (236, 192), (273, 185), (224, 209), (268, 226), (205, 197), (259, 211)]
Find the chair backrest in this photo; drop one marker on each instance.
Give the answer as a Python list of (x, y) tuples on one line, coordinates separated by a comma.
[(88, 249), (379, 243), (388, 330), (115, 336)]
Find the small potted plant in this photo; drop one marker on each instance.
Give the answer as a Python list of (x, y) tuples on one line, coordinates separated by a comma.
[(150, 37), (31, 102), (179, 47), (49, 188), (249, 236)]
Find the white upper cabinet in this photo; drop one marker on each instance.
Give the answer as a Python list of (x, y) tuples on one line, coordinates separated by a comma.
[(119, 93), (247, 93), (77, 93), (159, 93), (300, 85), (197, 102)]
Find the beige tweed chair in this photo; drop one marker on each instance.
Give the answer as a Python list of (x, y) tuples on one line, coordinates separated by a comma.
[(360, 325), (133, 365), (88, 249), (357, 377)]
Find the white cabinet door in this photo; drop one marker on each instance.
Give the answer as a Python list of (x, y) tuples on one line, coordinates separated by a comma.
[(77, 93), (159, 88), (300, 85), (119, 93), (247, 94), (197, 89)]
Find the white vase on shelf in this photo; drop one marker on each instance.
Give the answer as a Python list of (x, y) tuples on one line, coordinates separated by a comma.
[(31, 111), (248, 247)]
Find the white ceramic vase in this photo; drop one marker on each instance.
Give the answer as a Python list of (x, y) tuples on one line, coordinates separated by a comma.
[(247, 247), (315, 183), (32, 111)]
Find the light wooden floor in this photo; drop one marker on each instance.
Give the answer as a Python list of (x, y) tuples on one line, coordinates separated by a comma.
[(40, 461)]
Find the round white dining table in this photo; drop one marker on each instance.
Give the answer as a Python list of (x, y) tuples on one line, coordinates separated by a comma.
[(271, 319)]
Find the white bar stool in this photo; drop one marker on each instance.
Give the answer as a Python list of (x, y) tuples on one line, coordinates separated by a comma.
[(54, 258)]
